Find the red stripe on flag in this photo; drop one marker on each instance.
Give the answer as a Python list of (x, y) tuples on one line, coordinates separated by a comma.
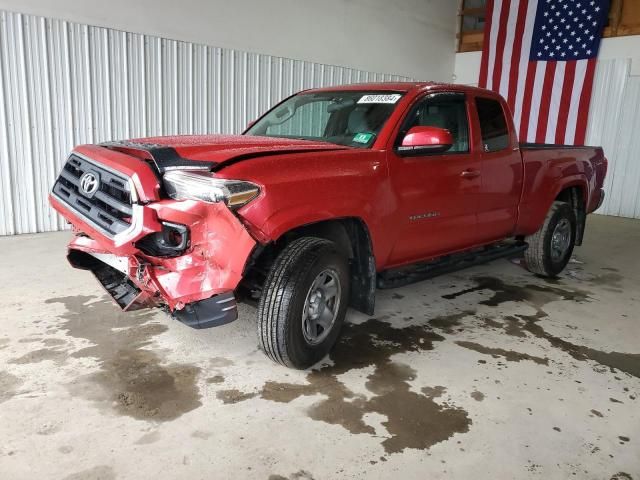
[(585, 102), (515, 55), (499, 48), (526, 102), (545, 102), (565, 101), (484, 65)]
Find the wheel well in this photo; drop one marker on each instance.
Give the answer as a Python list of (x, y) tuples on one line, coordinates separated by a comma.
[(351, 235), (574, 196)]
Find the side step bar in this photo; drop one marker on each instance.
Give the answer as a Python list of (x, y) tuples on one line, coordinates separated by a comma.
[(401, 276)]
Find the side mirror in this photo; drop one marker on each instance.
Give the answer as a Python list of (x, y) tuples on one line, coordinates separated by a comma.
[(425, 140)]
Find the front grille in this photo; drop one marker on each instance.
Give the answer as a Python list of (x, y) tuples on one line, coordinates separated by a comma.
[(109, 207)]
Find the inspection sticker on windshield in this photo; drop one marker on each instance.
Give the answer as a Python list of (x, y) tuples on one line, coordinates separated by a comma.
[(362, 137), (391, 98)]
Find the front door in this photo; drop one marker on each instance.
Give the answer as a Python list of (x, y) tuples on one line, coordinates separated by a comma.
[(437, 193)]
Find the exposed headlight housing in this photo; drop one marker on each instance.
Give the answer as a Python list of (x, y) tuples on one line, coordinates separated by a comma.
[(185, 185)]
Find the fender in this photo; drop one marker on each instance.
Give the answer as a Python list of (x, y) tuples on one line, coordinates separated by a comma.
[(281, 222), (319, 187), (574, 181), (532, 214), (277, 223)]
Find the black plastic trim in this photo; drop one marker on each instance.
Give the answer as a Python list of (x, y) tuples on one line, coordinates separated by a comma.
[(212, 312), (158, 244), (115, 282), (165, 158), (422, 271), (600, 201)]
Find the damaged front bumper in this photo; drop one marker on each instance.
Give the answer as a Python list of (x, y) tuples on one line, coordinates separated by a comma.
[(196, 287), (196, 283), (138, 291)]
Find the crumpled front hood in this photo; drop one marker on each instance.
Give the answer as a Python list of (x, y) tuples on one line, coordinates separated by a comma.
[(219, 149)]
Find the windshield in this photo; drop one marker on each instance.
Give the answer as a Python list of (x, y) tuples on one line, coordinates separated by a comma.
[(352, 118)]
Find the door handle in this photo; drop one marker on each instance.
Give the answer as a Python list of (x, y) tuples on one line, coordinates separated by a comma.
[(470, 174)]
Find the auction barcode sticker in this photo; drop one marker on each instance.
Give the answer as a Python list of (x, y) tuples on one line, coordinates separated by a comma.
[(391, 98)]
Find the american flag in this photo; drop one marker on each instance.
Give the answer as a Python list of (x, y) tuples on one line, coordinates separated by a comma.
[(540, 55)]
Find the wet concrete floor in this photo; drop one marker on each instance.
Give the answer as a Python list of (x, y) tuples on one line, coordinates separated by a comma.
[(485, 373)]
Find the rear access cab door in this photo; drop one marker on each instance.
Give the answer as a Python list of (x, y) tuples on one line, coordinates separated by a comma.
[(501, 167)]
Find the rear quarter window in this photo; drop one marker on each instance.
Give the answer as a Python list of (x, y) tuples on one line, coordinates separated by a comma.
[(493, 124)]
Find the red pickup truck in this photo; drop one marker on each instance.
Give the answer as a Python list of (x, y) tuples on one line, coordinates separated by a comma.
[(332, 193)]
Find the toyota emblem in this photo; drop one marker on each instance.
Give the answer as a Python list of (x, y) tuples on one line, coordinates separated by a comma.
[(89, 184)]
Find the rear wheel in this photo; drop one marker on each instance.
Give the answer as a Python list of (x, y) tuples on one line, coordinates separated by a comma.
[(550, 248), (303, 303)]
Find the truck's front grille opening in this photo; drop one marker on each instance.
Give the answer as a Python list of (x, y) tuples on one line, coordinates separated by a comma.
[(106, 204)]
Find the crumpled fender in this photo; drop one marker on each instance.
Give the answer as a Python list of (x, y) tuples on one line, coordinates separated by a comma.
[(220, 248)]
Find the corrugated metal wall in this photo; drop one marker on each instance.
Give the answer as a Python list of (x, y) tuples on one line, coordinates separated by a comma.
[(614, 123), (63, 84)]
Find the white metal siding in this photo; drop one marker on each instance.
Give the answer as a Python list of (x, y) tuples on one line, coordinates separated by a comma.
[(64, 84), (614, 123)]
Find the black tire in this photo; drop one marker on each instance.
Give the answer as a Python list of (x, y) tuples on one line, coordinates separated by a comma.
[(280, 310), (538, 257)]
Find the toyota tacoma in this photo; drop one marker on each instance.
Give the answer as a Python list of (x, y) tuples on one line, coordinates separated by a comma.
[(331, 194)]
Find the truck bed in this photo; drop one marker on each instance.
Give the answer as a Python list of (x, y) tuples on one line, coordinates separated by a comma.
[(550, 168)]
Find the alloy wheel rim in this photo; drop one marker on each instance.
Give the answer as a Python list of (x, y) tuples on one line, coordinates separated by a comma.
[(560, 240), (321, 307)]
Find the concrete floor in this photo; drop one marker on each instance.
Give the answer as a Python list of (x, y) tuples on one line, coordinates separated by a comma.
[(486, 373)]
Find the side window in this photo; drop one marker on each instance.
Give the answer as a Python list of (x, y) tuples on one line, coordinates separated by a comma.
[(493, 125), (443, 110)]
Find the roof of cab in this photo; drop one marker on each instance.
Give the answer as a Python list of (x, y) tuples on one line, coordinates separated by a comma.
[(402, 87)]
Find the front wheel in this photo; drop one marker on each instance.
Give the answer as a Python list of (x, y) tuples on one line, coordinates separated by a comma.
[(303, 303), (550, 248)]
